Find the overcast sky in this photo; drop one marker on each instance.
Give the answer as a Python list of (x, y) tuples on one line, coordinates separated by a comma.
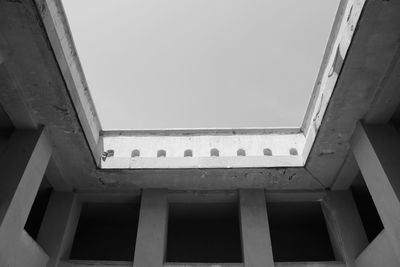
[(200, 63)]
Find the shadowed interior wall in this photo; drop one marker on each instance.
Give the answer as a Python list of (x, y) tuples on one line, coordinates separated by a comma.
[(106, 231), (204, 233), (366, 208), (35, 218), (298, 232)]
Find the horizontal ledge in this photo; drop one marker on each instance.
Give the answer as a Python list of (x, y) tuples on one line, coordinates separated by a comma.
[(311, 264), (202, 162), (204, 265), (214, 196), (85, 263), (277, 264), (202, 131), (95, 263)]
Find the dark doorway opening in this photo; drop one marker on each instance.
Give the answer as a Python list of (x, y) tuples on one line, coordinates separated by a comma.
[(204, 232), (106, 231), (298, 232)]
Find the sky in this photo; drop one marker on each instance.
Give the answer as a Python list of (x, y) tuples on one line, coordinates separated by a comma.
[(165, 64)]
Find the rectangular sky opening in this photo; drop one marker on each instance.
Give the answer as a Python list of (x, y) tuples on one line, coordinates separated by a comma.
[(184, 64)]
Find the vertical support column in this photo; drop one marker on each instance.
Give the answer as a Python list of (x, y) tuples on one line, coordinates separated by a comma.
[(22, 164), (345, 227), (256, 240), (379, 253), (377, 152), (152, 229), (59, 224)]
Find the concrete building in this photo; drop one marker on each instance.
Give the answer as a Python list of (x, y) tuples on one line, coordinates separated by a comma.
[(326, 194)]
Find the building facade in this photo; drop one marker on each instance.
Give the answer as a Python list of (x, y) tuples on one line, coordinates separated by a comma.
[(327, 194)]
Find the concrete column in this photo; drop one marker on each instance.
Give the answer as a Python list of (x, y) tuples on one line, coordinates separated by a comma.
[(379, 253), (377, 152), (22, 164), (256, 241), (59, 224), (345, 227), (152, 229)]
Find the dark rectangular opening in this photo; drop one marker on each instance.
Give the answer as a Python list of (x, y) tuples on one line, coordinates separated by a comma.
[(38, 210), (366, 208), (106, 231), (298, 232), (204, 232)]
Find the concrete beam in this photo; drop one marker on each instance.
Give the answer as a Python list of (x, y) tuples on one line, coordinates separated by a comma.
[(125, 264), (311, 264), (377, 151), (23, 164), (152, 229), (94, 263), (59, 35), (256, 240), (59, 224), (347, 173), (345, 227), (203, 265), (55, 177), (379, 253)]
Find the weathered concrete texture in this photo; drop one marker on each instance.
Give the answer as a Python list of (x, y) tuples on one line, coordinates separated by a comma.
[(35, 89), (42, 89), (368, 62)]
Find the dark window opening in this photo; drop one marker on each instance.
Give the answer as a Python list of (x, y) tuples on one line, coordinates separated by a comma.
[(188, 153), (161, 153), (38, 210), (298, 232), (366, 208), (106, 231), (214, 152), (241, 152), (135, 153), (293, 152), (267, 152), (204, 232)]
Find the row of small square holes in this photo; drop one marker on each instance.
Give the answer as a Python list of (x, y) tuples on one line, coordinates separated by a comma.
[(213, 152)]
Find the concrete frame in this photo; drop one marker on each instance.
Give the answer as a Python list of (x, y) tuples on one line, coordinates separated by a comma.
[(376, 149), (25, 46), (151, 239), (29, 153), (23, 164), (153, 220), (256, 240), (58, 227), (101, 143), (346, 231)]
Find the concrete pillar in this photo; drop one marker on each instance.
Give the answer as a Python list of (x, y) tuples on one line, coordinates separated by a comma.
[(377, 152), (256, 241), (152, 229), (379, 253), (345, 227), (22, 164), (59, 224)]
